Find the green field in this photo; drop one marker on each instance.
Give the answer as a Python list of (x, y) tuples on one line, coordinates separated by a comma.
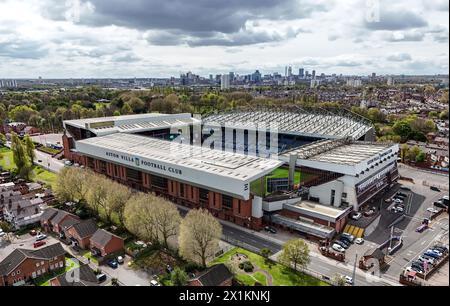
[(281, 275), (38, 174), (255, 186)]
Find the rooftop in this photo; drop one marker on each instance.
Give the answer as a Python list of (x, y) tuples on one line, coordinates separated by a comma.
[(298, 121), (226, 164), (318, 209)]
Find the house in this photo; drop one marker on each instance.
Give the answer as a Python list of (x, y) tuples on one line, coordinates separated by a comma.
[(81, 276), (80, 233), (30, 130), (8, 196), (217, 275), (23, 212), (103, 243), (23, 265), (53, 220)]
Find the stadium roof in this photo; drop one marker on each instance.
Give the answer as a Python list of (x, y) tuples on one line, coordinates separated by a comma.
[(132, 123), (350, 157), (207, 167), (319, 123)]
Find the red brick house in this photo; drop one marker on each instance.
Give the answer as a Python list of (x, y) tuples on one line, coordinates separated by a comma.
[(103, 243), (217, 275), (23, 265), (54, 220), (82, 276), (80, 233)]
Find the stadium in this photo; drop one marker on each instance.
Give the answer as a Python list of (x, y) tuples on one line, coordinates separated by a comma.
[(301, 169)]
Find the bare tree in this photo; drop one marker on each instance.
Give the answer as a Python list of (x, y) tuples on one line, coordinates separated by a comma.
[(199, 236), (117, 197), (167, 220), (97, 193), (139, 218)]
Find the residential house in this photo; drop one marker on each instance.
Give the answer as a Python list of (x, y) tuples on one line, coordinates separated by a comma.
[(8, 197), (81, 276), (23, 212), (23, 265), (53, 222), (217, 275), (104, 243), (80, 233)]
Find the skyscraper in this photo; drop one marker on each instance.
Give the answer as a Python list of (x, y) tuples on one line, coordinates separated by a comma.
[(313, 74), (289, 71), (301, 73), (225, 81)]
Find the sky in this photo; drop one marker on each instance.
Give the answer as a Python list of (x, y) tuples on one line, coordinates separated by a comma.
[(154, 38)]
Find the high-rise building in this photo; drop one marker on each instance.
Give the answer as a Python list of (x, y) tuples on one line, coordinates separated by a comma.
[(256, 76), (225, 81), (390, 81), (301, 73), (313, 74), (231, 76), (289, 71)]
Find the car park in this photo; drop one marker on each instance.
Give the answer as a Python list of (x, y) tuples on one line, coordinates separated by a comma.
[(359, 240), (338, 248), (113, 263), (40, 237)]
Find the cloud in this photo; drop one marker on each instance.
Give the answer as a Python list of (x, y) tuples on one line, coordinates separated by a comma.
[(22, 49), (396, 20), (399, 57), (402, 36)]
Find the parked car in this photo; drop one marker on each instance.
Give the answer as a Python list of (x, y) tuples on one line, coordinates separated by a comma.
[(434, 188), (2, 233), (443, 249), (401, 194), (345, 240), (338, 248), (120, 260), (270, 229), (356, 216), (359, 240), (343, 243), (39, 243), (397, 200), (432, 210), (432, 254), (417, 269), (101, 277), (427, 259), (348, 236), (154, 283), (439, 204), (33, 233), (40, 237), (369, 212), (113, 263), (435, 251)]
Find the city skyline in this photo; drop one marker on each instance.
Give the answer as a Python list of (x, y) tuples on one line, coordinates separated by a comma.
[(87, 39)]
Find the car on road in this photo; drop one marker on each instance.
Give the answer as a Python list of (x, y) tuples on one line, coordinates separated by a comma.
[(154, 283), (421, 228), (39, 243), (348, 280), (439, 204), (270, 229), (432, 210), (356, 216), (338, 248), (434, 188), (39, 160), (113, 263), (101, 277), (405, 188), (40, 237), (359, 240)]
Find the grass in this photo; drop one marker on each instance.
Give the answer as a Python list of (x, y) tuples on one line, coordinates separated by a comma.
[(92, 258), (281, 275), (45, 280), (38, 173), (50, 151), (277, 173)]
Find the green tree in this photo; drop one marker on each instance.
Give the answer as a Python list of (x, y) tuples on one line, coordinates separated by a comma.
[(338, 280), (413, 153), (2, 139), (20, 157), (402, 128), (404, 149), (29, 147), (444, 115), (295, 253), (420, 158), (178, 277)]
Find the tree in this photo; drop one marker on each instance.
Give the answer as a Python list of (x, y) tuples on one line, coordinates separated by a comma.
[(140, 219), (97, 193), (413, 152), (444, 114), (178, 277), (338, 280), (402, 128), (20, 157), (29, 148), (265, 252), (420, 158), (199, 236), (404, 148), (295, 252), (2, 139), (167, 220), (73, 184), (116, 199)]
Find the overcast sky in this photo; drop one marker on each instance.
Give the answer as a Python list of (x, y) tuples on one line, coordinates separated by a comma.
[(155, 38)]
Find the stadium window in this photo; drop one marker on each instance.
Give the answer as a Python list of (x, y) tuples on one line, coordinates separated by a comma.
[(333, 193), (227, 202), (182, 190), (203, 194)]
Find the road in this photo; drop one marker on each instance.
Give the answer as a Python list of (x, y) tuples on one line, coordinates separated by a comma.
[(46, 161)]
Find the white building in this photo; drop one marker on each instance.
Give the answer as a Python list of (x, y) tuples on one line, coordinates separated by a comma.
[(225, 81)]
